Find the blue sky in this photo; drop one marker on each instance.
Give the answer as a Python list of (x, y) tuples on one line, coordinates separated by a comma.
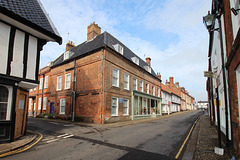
[(171, 32)]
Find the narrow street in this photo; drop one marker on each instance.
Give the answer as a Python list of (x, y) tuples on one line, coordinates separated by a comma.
[(158, 139)]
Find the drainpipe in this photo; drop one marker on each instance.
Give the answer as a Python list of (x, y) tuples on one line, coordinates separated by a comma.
[(42, 93), (102, 89), (73, 92)]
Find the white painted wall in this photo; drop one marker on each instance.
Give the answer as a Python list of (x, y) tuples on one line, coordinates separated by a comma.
[(18, 52), (32, 58), (4, 44), (235, 19)]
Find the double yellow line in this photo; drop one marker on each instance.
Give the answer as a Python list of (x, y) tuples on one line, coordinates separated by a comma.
[(21, 149), (185, 141)]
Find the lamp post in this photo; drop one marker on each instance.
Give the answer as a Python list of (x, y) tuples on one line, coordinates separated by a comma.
[(209, 21)]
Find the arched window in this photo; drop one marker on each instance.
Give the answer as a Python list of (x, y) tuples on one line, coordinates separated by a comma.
[(3, 102)]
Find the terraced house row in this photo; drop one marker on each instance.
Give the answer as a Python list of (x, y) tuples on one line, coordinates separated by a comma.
[(100, 81)]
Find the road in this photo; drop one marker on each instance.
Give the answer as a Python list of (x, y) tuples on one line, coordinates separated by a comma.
[(158, 139)]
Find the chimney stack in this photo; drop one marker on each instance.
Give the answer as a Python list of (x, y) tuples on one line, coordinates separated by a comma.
[(177, 84), (166, 83), (148, 60), (93, 30), (159, 75), (69, 45), (171, 80)]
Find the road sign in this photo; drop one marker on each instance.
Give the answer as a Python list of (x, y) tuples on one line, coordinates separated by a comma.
[(209, 74)]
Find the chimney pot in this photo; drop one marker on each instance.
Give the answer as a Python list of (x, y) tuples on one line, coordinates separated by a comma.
[(159, 75), (148, 61), (69, 45), (171, 80)]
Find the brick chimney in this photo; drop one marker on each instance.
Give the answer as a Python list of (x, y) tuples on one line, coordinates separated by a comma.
[(69, 45), (171, 80), (148, 60), (93, 30), (159, 75), (177, 84), (166, 83)]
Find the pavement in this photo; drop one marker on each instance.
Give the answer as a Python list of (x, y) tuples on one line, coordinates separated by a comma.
[(200, 145)]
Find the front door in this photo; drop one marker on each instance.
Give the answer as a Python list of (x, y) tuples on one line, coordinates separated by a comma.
[(51, 107)]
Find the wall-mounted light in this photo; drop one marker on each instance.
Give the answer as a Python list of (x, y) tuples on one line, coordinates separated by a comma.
[(208, 20), (235, 11)]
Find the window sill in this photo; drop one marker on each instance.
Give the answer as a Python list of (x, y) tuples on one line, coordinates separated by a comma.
[(126, 115), (114, 115)]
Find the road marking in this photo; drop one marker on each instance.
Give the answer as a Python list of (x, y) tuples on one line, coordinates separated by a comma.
[(46, 139), (180, 150), (22, 149), (53, 140), (62, 135), (53, 123), (68, 125), (71, 135)]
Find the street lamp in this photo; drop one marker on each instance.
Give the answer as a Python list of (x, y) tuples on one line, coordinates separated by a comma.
[(208, 20)]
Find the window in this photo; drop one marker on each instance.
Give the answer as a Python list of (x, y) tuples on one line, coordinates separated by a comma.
[(66, 55), (115, 77), (118, 48), (238, 86), (135, 84), (40, 103), (158, 92), (31, 90), (59, 83), (141, 86), (30, 104), (67, 80), (125, 107), (46, 82), (35, 88), (62, 106), (114, 106), (153, 90), (44, 103), (147, 88), (135, 60), (41, 83), (148, 68), (126, 81), (5, 102)]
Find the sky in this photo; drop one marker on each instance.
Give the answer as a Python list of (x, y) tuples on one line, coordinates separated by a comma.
[(170, 32)]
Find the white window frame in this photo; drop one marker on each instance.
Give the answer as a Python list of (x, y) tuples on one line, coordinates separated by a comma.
[(67, 81), (126, 81), (158, 92), (35, 89), (44, 103), (46, 82), (117, 78), (115, 114), (136, 86), (39, 103), (62, 103), (9, 102), (141, 86), (147, 88), (153, 90), (30, 104), (238, 86), (127, 107), (40, 83), (59, 81)]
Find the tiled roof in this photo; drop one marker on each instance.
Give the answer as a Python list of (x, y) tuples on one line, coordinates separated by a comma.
[(30, 10), (104, 39)]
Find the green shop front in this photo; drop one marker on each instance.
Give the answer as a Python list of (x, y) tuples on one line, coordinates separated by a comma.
[(145, 105)]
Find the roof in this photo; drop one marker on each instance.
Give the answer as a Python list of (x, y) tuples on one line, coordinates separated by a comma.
[(32, 14), (166, 88), (100, 41)]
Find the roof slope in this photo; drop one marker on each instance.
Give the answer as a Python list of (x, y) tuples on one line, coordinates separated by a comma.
[(102, 40), (30, 11)]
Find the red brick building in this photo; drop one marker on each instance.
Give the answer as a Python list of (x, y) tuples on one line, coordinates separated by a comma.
[(101, 80)]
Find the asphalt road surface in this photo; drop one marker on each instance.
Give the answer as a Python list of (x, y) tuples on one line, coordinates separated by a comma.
[(158, 139)]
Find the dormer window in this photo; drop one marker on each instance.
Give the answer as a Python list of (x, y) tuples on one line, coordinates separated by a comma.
[(118, 48), (67, 54), (148, 68), (135, 60)]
